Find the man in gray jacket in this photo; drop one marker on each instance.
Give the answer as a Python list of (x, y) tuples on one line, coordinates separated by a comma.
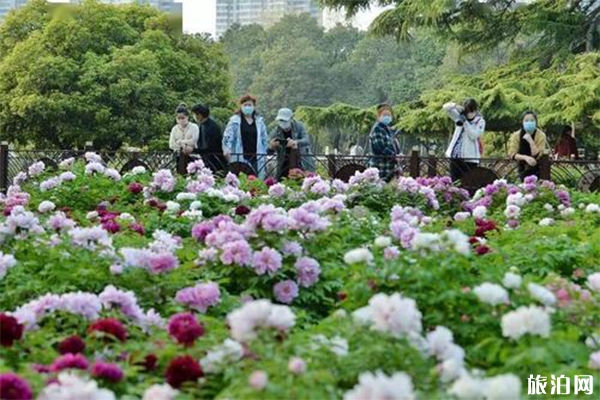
[(290, 136)]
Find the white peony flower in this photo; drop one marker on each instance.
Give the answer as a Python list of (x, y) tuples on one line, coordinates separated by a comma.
[(92, 215), (383, 241), (173, 207), (468, 387), (526, 320), (593, 282), (70, 386), (567, 212), (594, 362), (229, 352), (512, 211), (502, 387), (195, 205), (185, 196), (548, 207), (356, 256), (160, 392), (138, 170), (592, 208), (462, 216), (491, 293), (541, 294), (512, 281), (126, 217), (46, 206), (380, 386), (479, 212), (547, 222), (516, 199)]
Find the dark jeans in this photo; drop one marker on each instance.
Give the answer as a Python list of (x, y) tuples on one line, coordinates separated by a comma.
[(459, 167), (527, 170)]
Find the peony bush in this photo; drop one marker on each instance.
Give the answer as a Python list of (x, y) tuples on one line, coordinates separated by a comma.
[(152, 286)]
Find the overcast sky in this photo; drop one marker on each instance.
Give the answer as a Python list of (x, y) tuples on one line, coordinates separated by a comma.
[(200, 16)]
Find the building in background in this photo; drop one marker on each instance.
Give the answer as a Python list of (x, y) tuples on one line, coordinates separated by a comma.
[(262, 12), (170, 6)]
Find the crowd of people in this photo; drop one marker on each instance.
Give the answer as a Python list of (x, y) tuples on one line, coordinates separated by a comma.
[(246, 141)]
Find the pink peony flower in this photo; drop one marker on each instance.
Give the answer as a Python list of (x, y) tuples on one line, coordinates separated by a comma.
[(308, 271), (236, 252), (200, 297), (285, 291), (266, 260), (258, 380), (69, 361), (297, 366)]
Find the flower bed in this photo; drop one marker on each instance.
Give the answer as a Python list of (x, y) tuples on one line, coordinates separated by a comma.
[(158, 287)]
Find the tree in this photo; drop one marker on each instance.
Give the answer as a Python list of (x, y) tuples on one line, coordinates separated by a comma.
[(553, 26), (96, 72)]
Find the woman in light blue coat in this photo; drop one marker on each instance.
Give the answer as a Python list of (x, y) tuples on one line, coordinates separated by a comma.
[(246, 138)]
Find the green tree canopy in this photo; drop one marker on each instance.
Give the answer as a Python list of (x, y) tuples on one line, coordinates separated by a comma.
[(96, 72)]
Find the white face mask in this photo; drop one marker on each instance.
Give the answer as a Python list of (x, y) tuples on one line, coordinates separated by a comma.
[(285, 125)]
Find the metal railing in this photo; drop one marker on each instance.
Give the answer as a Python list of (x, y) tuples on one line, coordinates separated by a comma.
[(582, 175)]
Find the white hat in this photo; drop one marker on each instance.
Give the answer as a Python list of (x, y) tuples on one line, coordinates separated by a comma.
[(284, 114)]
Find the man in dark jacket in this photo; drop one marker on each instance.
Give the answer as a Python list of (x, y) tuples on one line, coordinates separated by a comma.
[(290, 136), (209, 140)]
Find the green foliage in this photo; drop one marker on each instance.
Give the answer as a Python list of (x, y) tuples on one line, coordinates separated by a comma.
[(96, 72)]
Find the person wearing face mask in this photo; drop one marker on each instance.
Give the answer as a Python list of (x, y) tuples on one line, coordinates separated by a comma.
[(382, 141), (465, 146), (184, 135), (245, 139), (288, 136), (527, 145)]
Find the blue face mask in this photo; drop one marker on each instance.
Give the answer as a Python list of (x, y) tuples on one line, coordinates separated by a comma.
[(386, 119), (529, 126), (248, 110)]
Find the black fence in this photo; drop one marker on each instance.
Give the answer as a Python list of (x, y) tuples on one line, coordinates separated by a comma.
[(581, 175)]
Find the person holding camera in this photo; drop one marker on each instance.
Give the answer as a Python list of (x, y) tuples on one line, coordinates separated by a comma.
[(465, 147), (527, 145), (290, 135)]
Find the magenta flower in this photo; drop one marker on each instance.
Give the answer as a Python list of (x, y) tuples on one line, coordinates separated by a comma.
[(137, 228), (270, 181), (185, 329), (13, 387), (111, 226), (237, 252), (69, 361), (107, 371), (292, 249), (135, 187), (200, 297), (266, 260), (73, 344), (308, 271), (285, 291)]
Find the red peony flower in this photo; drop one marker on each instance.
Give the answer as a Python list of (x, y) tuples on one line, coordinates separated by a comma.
[(270, 181), (149, 363), (73, 344), (111, 226), (69, 361), (137, 228), (10, 330), (484, 226), (183, 369), (13, 387), (252, 178), (242, 210), (107, 371), (110, 326), (185, 329), (135, 187), (483, 249)]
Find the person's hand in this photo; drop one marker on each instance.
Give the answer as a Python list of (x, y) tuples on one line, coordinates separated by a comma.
[(273, 144), (531, 161), (227, 155), (527, 137), (188, 150), (292, 144)]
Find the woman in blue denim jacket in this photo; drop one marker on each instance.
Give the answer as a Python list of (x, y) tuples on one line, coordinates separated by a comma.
[(246, 138)]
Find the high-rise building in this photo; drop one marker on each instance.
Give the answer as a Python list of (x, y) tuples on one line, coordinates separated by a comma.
[(170, 6), (263, 12)]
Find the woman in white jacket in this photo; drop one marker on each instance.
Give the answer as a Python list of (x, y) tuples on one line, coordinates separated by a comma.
[(184, 135), (465, 147)]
